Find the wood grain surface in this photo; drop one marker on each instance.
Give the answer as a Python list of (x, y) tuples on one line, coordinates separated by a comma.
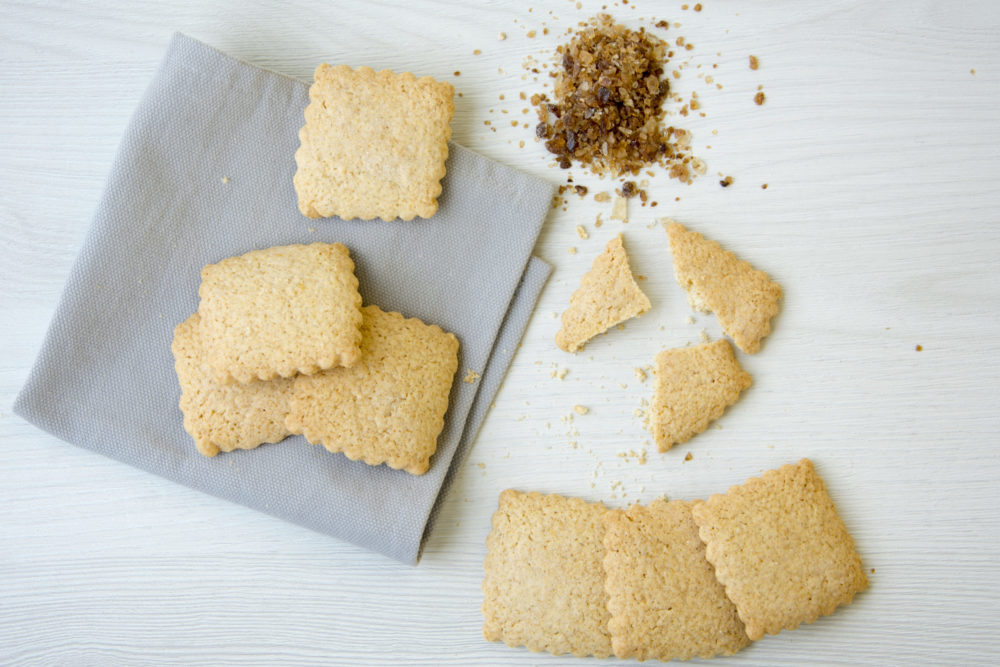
[(878, 142)]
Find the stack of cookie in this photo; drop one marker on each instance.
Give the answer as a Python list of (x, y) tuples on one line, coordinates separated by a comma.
[(670, 580), (694, 385), (281, 345)]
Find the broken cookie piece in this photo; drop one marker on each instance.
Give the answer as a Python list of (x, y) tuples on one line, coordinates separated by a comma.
[(608, 295), (744, 299), (694, 385)]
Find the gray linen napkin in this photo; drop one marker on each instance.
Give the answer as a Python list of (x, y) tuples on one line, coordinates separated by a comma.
[(204, 171)]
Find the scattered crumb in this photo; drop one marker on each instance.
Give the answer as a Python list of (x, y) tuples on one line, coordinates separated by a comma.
[(225, 179), (501, 36), (572, 250), (602, 197), (697, 7), (920, 348), (581, 409), (764, 186), (973, 72), (758, 99), (726, 182), (688, 456), (481, 465), (531, 34), (598, 221), (689, 320), (457, 73), (581, 232), (754, 63), (476, 52), (704, 336), (471, 376), (619, 210)]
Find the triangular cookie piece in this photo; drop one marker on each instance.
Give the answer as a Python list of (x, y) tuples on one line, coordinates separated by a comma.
[(608, 295), (743, 298), (694, 385)]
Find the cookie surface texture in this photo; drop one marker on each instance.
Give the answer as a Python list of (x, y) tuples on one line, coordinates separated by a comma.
[(280, 311), (664, 599), (744, 299), (608, 295), (544, 584), (389, 407), (374, 144), (780, 549), (224, 417), (693, 386)]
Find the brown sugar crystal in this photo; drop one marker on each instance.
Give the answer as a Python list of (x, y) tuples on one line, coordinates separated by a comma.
[(608, 103)]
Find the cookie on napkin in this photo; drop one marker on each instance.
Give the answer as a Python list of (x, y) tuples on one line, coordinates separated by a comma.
[(780, 549), (693, 386), (744, 299), (544, 584), (664, 599), (374, 144), (224, 417), (280, 311), (387, 408), (608, 295)]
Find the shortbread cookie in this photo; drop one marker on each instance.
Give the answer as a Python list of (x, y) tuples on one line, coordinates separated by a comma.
[(608, 295), (544, 585), (693, 386), (374, 144), (280, 311), (664, 599), (744, 299), (780, 549), (224, 417), (387, 408)]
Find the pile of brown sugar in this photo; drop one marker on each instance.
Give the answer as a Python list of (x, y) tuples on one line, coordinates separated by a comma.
[(608, 108)]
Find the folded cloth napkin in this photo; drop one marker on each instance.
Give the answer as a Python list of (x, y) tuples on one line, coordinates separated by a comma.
[(204, 171)]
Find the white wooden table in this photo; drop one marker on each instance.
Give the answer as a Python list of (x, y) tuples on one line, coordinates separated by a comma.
[(878, 141)]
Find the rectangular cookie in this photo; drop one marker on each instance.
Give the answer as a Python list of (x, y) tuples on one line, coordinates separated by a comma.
[(387, 408), (693, 386), (544, 584), (780, 549), (374, 144), (664, 599), (280, 311), (224, 417)]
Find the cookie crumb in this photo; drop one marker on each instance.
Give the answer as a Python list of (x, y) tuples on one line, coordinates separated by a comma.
[(582, 232), (726, 182), (619, 210), (602, 197), (688, 456), (640, 374), (581, 409), (754, 63), (758, 99), (501, 36), (225, 179), (920, 348), (572, 250), (471, 376)]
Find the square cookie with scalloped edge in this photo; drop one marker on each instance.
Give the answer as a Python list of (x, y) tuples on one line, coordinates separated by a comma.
[(544, 583), (280, 311), (780, 549), (390, 406), (664, 599), (374, 144), (693, 386), (744, 299), (608, 295), (224, 417)]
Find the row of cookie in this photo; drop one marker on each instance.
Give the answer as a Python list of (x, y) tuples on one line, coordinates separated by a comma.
[(281, 345), (670, 579), (693, 386)]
